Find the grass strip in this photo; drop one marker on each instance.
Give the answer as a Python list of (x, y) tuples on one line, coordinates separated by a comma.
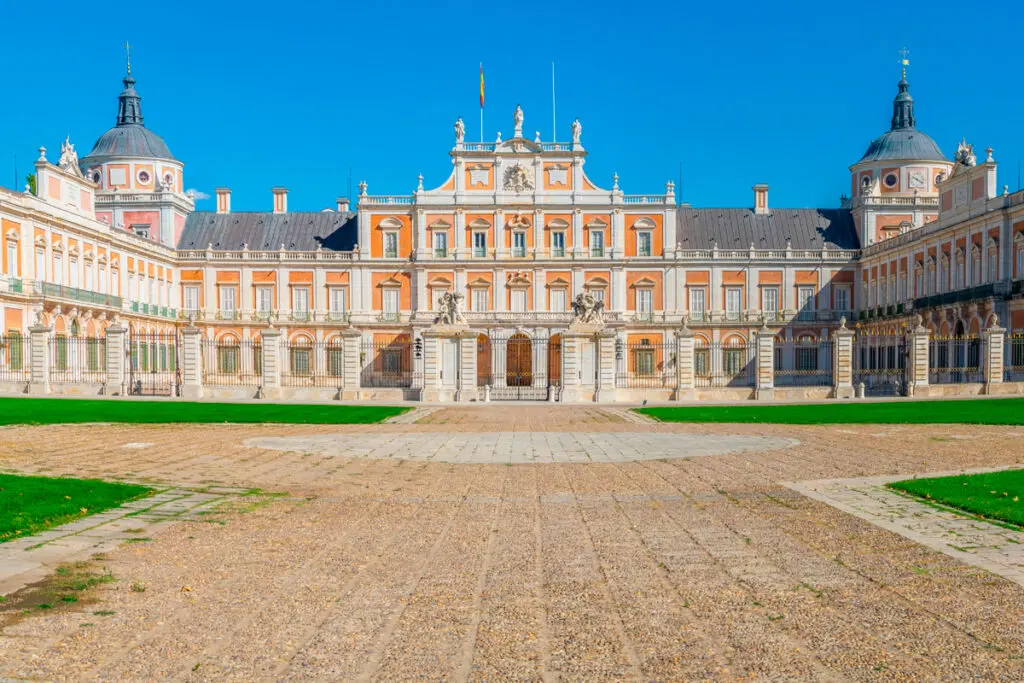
[(992, 495)]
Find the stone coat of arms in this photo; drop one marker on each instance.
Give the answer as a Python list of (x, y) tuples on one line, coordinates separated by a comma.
[(519, 178)]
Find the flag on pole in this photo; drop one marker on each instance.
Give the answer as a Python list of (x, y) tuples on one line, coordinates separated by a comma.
[(481, 85)]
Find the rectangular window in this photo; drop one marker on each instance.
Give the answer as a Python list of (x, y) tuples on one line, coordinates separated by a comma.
[(697, 304), (337, 300), (733, 298), (115, 282), (103, 280), (480, 244), (842, 298), (391, 302), (391, 245), (12, 258), (58, 269), (1020, 264), (806, 358), (15, 352), (228, 359), (40, 265), (644, 304), (644, 362), (335, 361), (558, 299), (191, 299), (73, 273), (598, 294), (596, 243), (440, 244), (557, 244), (518, 300), (264, 299), (805, 300), (770, 302), (300, 300), (301, 361), (519, 244), (643, 243), (227, 300), (702, 362), (734, 360), (89, 284), (480, 299), (993, 265)]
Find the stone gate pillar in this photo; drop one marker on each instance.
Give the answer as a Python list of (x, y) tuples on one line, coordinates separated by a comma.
[(842, 361), (466, 388), (685, 383), (917, 361), (765, 364), (271, 349), (572, 344), (191, 363), (993, 346), (351, 365), (117, 345), (604, 391), (39, 358)]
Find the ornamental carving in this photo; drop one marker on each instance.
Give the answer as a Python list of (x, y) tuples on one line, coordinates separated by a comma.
[(518, 179)]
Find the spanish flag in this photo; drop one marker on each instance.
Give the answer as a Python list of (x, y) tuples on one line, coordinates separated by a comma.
[(481, 85)]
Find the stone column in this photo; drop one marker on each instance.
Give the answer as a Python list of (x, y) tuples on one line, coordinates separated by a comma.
[(466, 389), (431, 367), (917, 362), (39, 359), (605, 392), (271, 363), (191, 363), (685, 383), (842, 361), (765, 360), (993, 345), (571, 365), (117, 377), (351, 371)]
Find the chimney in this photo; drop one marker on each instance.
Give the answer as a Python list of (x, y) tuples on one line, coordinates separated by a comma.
[(342, 204), (223, 199), (761, 199), (280, 199)]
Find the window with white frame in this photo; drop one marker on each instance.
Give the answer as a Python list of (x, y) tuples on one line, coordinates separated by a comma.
[(842, 295), (644, 303), (993, 264), (597, 293), (805, 300), (940, 277), (300, 301), (115, 282), (891, 298), (440, 244), (976, 267), (264, 299), (960, 264), (336, 301), (435, 294), (152, 292), (902, 287), (142, 289), (40, 271), (518, 300), (558, 243), (480, 299), (12, 257), (1020, 261), (480, 244), (191, 299), (698, 303), (919, 281), (89, 284), (73, 272), (733, 299), (227, 300), (390, 298), (58, 268), (391, 244), (770, 302), (519, 244), (643, 242), (597, 243), (559, 299)]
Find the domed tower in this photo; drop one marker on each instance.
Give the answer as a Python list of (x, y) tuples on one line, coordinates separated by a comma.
[(139, 180), (895, 182)]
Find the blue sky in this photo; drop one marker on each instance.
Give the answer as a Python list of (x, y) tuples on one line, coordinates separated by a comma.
[(297, 94)]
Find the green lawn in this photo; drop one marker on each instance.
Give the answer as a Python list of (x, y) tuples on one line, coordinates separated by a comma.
[(993, 495), (1000, 411), (29, 505), (57, 411)]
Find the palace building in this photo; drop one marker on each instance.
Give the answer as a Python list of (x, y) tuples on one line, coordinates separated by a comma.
[(519, 277)]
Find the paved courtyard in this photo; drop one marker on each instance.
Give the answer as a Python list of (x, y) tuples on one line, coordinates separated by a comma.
[(421, 550)]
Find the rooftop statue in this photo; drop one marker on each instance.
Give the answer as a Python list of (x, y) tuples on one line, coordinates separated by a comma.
[(517, 119), (460, 130), (577, 130), (69, 158), (965, 154)]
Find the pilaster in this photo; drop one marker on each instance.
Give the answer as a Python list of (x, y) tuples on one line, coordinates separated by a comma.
[(351, 371), (271, 362), (765, 360), (605, 391), (117, 378), (917, 363), (685, 383), (466, 383), (993, 341), (191, 363), (39, 377)]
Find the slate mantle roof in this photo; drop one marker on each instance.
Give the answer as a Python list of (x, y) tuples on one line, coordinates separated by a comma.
[(738, 228), (297, 230)]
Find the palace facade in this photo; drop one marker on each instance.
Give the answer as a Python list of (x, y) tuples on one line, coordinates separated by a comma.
[(517, 231)]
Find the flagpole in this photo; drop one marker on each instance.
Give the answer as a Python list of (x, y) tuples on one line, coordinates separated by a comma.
[(554, 131), (481, 102)]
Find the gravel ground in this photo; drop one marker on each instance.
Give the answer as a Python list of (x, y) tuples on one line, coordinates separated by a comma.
[(392, 569)]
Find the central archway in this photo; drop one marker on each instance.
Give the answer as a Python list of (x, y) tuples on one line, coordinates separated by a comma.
[(519, 361)]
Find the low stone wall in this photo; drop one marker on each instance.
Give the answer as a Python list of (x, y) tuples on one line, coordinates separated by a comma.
[(78, 389), (13, 388), (803, 393)]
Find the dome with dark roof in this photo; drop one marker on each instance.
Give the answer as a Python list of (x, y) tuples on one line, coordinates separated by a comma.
[(130, 137), (903, 142)]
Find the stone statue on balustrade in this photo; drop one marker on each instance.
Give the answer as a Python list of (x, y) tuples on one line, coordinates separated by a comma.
[(577, 130), (587, 311), (449, 307), (460, 130)]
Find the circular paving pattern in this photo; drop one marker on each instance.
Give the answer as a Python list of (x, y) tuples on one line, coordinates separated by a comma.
[(523, 447)]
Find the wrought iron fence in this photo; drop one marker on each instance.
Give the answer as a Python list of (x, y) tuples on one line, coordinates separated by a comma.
[(387, 364), (724, 365), (154, 364), (1013, 358), (880, 364), (645, 364), (313, 364), (232, 362), (803, 363), (954, 360), (77, 359), (15, 358)]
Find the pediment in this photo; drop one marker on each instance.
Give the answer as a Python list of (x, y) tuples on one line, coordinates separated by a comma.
[(390, 223), (559, 282), (645, 282), (390, 282), (518, 281), (596, 282), (644, 223), (12, 235), (558, 224), (439, 281), (479, 223), (596, 223), (478, 283), (439, 224)]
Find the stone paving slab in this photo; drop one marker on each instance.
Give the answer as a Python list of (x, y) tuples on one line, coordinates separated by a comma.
[(24, 561), (969, 539), (522, 447)]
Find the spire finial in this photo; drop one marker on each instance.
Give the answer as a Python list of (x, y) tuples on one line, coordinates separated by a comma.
[(904, 62), (128, 55)]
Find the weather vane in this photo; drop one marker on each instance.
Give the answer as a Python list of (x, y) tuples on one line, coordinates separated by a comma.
[(904, 62), (128, 54)]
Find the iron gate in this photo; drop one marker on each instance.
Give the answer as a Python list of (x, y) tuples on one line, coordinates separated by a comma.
[(519, 368), (154, 364), (880, 364)]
